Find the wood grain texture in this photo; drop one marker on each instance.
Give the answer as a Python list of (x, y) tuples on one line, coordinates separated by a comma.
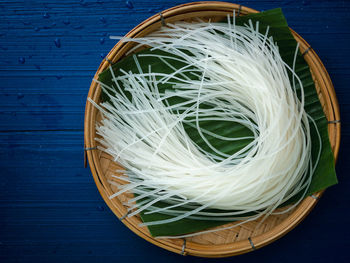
[(50, 210)]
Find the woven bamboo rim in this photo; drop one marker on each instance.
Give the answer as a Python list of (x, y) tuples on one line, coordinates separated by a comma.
[(223, 243)]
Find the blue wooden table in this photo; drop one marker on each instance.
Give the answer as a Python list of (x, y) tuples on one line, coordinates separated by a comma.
[(50, 209)]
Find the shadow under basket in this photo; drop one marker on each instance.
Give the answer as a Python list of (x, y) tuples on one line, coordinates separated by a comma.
[(222, 243)]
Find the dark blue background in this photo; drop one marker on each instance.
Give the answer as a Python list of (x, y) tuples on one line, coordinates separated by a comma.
[(50, 209)]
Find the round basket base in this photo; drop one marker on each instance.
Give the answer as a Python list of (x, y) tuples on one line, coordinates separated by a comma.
[(223, 243)]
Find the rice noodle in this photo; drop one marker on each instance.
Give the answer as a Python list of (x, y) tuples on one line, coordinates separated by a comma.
[(242, 77)]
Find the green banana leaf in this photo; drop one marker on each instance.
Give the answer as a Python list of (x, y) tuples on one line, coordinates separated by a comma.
[(324, 175)]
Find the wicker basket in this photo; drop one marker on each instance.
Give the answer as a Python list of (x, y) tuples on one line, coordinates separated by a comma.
[(222, 243)]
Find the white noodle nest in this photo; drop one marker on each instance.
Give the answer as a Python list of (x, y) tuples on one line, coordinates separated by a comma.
[(243, 78)]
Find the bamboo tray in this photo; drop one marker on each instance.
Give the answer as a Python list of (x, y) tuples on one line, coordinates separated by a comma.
[(223, 243)]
